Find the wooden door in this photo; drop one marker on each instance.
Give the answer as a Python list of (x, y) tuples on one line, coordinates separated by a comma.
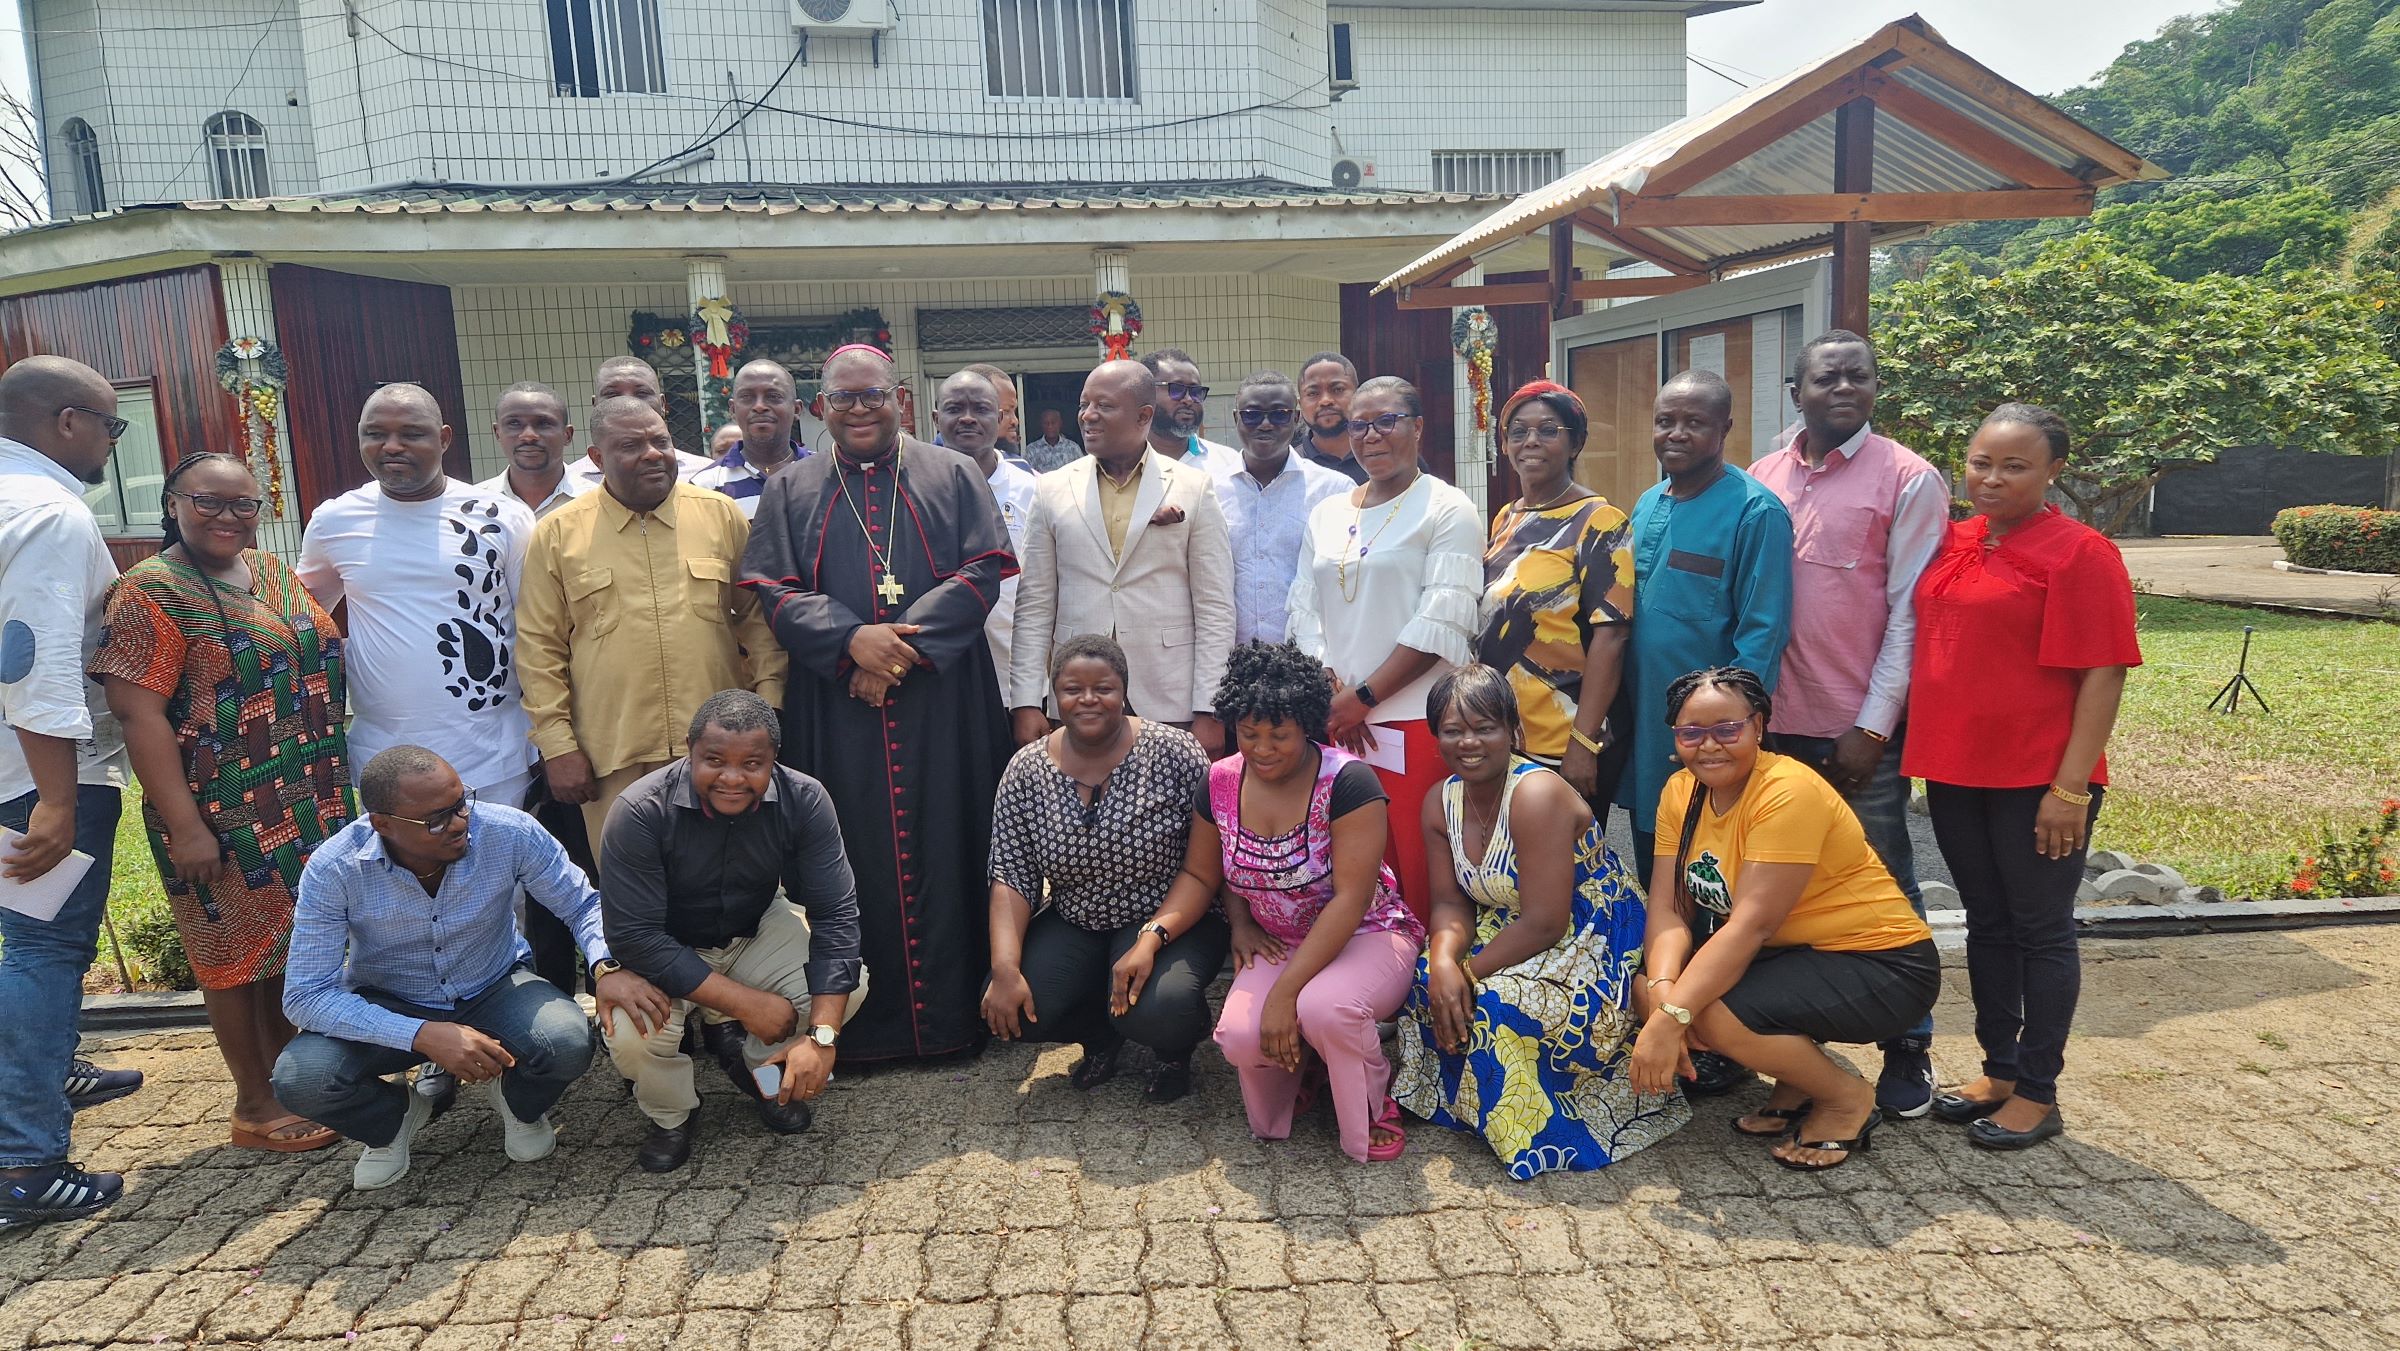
[(1618, 383)]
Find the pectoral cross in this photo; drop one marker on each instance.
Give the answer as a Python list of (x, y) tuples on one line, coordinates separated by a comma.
[(890, 589)]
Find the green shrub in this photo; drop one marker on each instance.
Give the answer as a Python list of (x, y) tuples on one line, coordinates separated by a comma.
[(2352, 539), (153, 945)]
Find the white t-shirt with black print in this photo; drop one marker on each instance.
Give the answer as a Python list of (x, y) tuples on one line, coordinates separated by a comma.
[(431, 631)]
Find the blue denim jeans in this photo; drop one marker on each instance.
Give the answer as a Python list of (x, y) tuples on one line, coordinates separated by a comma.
[(1882, 807), (41, 986), (341, 1084)]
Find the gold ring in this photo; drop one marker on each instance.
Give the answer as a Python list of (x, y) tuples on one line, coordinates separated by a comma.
[(900, 670)]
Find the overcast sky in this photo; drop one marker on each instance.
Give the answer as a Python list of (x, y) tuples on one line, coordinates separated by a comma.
[(2044, 45)]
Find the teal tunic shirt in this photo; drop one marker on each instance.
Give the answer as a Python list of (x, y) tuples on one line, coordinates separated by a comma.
[(1712, 587)]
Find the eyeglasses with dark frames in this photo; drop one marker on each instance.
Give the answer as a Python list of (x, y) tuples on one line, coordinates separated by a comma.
[(1382, 426), (1178, 389), (1265, 417), (117, 426), (441, 820), (1525, 433), (1723, 733), (870, 398), (209, 504)]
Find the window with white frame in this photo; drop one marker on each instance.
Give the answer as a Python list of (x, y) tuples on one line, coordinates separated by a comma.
[(237, 148), (129, 502), (606, 47), (1058, 49), (83, 145), (1343, 73), (1496, 171)]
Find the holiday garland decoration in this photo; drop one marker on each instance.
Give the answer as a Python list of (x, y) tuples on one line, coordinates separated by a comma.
[(1474, 338), (254, 372), (719, 333), (1116, 322)]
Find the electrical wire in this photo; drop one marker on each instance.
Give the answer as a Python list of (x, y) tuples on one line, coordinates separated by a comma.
[(225, 100), (708, 139)]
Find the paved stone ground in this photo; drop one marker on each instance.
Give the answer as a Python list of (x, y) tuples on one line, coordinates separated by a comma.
[(2230, 1182), (2240, 570)]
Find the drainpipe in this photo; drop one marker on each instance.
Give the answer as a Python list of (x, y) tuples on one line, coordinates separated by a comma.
[(33, 99)]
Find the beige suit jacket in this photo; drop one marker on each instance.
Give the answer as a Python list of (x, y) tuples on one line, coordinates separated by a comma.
[(1167, 599)]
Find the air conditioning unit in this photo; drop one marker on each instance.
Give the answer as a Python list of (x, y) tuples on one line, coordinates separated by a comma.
[(842, 18), (1351, 172)]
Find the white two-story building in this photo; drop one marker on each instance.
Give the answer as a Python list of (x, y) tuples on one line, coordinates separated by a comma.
[(469, 193)]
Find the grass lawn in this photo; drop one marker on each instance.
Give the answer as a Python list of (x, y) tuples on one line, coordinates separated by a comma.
[(2225, 800)]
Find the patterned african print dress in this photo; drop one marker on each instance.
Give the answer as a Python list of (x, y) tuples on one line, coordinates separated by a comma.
[(254, 690), (1549, 578), (1545, 1079)]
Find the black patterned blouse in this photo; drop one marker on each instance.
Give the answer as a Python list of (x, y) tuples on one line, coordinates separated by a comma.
[(1109, 863)]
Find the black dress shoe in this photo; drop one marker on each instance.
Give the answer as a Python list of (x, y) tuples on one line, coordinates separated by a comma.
[(785, 1118), (1958, 1109), (1168, 1082), (1986, 1133), (725, 1042), (668, 1147), (1713, 1074)]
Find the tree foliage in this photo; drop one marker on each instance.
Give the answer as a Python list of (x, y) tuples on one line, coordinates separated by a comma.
[(2190, 236), (2149, 370)]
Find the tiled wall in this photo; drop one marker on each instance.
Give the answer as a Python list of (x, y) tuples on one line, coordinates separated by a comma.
[(1231, 324), (1465, 79)]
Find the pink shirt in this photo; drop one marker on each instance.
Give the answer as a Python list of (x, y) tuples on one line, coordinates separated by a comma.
[(1864, 525)]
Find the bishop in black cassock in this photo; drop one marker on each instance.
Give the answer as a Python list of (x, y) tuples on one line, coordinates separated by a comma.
[(905, 730)]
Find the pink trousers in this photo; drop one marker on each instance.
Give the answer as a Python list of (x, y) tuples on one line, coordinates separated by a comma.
[(1338, 1010)]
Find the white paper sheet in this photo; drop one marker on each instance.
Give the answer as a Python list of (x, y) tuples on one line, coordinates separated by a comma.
[(43, 897), (1390, 750)]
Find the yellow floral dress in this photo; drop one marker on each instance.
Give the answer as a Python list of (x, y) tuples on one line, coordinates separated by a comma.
[(1544, 1081)]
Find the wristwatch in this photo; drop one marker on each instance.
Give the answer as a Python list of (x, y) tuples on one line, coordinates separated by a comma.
[(1365, 694), (823, 1035), (1677, 1012), (1154, 927), (1585, 741), (606, 967)]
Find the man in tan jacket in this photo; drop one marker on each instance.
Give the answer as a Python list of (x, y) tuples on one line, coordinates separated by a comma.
[(628, 619), (1127, 543)]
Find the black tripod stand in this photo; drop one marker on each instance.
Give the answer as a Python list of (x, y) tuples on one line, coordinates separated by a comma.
[(2231, 695)]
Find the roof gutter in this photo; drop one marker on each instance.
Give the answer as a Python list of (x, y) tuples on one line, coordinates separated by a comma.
[(683, 161)]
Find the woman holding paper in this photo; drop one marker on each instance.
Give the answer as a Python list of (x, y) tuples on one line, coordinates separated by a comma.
[(1386, 597), (227, 678)]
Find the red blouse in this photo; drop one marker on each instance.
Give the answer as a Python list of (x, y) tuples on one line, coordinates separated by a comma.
[(2004, 636)]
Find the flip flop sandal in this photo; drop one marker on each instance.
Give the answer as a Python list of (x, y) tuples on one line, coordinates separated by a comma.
[(1788, 1116), (264, 1136), (1851, 1148), (1387, 1121)]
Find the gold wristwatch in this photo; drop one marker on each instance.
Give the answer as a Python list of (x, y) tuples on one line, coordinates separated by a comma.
[(1677, 1012)]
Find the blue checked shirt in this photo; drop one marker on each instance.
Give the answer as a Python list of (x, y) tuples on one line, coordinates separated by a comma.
[(364, 923)]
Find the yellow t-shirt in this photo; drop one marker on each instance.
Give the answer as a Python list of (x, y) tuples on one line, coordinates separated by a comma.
[(1789, 814)]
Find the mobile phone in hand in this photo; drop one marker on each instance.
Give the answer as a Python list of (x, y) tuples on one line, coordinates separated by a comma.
[(770, 1079)]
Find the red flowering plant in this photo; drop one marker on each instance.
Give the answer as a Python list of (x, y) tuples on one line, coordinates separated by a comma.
[(2365, 864)]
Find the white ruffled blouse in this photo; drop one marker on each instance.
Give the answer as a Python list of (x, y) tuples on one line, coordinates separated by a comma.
[(1414, 573)]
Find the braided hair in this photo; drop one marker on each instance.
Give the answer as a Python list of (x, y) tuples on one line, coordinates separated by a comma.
[(1275, 683), (1742, 681), (172, 532)]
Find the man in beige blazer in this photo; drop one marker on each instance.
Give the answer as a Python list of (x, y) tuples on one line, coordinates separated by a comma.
[(1126, 542)]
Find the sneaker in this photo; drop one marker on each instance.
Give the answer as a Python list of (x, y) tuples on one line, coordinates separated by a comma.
[(383, 1165), (525, 1141), (1713, 1074), (1905, 1088), (62, 1191), (88, 1085)]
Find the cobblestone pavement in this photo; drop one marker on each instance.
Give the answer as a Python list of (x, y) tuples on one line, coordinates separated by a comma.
[(2230, 1181)]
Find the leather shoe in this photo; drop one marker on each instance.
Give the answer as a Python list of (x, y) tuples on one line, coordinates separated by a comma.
[(668, 1147), (1958, 1109), (786, 1118), (1983, 1131), (725, 1042)]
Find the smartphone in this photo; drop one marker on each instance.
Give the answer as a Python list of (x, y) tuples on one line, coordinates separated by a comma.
[(770, 1079)]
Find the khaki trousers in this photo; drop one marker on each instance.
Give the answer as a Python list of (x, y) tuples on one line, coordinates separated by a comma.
[(612, 786), (775, 959)]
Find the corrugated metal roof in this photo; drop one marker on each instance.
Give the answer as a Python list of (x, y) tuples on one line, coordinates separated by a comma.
[(1907, 56)]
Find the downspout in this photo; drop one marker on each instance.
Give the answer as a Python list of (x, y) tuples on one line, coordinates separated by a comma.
[(33, 90)]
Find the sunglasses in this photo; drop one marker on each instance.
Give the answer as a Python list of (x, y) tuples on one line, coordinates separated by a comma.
[(1382, 426), (1177, 389), (441, 820), (209, 504), (869, 399), (1526, 433), (1255, 418), (116, 425), (1723, 733)]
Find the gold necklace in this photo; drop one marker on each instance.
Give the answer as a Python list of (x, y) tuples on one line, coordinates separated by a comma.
[(1341, 561), (889, 588)]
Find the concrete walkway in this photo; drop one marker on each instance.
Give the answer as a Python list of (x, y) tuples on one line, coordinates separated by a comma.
[(2230, 1181), (2240, 570)]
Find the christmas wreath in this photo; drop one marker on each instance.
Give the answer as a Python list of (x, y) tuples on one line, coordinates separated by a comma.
[(1474, 338), (719, 333), (254, 372), (1116, 322)]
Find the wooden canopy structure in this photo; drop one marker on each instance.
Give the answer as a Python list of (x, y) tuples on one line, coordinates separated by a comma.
[(1876, 143)]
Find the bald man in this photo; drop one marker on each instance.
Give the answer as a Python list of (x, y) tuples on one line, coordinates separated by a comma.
[(766, 408), (632, 378), (62, 762)]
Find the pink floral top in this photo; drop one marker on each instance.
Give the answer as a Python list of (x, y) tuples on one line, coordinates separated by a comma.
[(1287, 879)]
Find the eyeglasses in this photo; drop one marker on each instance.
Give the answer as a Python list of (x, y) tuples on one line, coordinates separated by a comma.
[(1723, 733), (1520, 433), (209, 504), (1382, 426), (1255, 418), (441, 820), (1177, 389), (870, 398), (116, 426)]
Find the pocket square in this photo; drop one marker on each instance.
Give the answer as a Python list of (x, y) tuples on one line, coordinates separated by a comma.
[(1166, 516)]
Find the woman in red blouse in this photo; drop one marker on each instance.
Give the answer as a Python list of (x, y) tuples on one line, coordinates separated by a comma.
[(2024, 634)]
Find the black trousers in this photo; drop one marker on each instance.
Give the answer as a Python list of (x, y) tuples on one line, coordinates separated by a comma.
[(1067, 968), (556, 956), (2022, 963)]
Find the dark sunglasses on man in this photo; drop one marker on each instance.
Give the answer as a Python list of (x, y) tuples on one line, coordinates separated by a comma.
[(1177, 389), (1255, 418)]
